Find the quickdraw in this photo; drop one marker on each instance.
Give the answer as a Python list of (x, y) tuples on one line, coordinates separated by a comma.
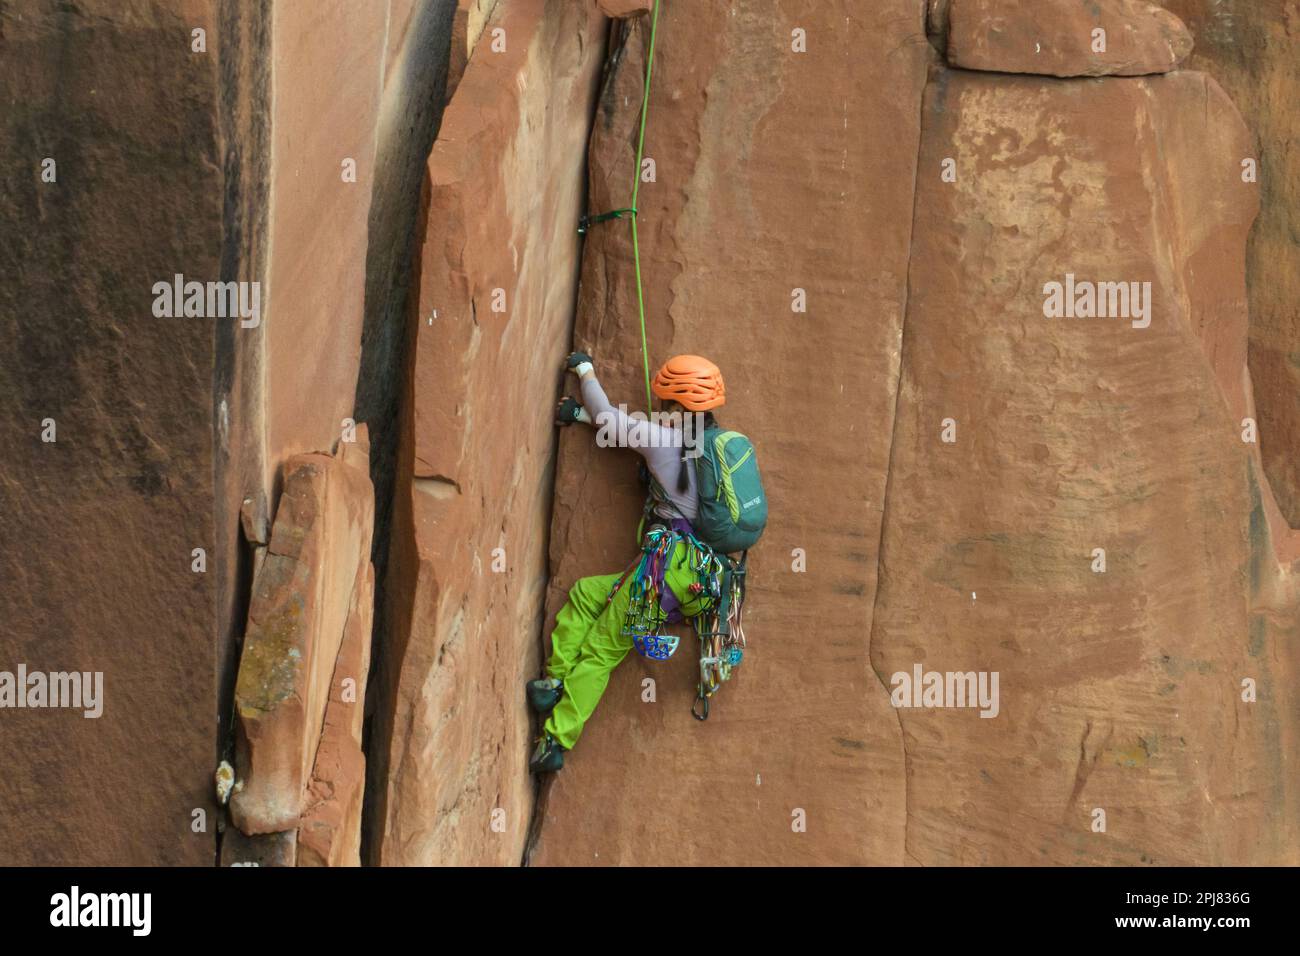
[(586, 222), (645, 614), (721, 634)]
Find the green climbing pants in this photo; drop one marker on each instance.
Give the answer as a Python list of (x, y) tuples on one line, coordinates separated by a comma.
[(588, 641)]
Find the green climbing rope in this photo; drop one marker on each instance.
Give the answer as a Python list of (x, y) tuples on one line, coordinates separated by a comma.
[(586, 222), (636, 189)]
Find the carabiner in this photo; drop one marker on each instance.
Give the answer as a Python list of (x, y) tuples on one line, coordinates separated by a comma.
[(698, 699)]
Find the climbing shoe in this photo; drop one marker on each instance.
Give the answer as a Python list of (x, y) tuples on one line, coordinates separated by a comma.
[(544, 694), (548, 755)]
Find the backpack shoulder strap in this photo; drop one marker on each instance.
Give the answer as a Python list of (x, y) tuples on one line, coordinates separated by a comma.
[(655, 495)]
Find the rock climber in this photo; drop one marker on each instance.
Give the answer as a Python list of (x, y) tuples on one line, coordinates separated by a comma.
[(591, 636)]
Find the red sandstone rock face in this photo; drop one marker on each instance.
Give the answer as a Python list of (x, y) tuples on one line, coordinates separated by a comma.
[(1119, 690), (272, 849), (496, 299), (776, 171), (172, 160), (467, 26), (324, 118), (936, 19), (1252, 49), (1057, 37), (620, 9), (312, 591), (99, 526), (329, 833)]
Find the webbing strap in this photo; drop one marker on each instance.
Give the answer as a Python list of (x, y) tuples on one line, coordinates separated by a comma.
[(586, 222)]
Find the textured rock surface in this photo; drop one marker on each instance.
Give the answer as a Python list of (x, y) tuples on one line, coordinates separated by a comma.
[(775, 171), (99, 526), (271, 849), (329, 833), (936, 20), (410, 110), (495, 307), (625, 8), (778, 174), (311, 590), (166, 426), (1056, 37), (1118, 690), (323, 119), (1252, 48), (467, 26)]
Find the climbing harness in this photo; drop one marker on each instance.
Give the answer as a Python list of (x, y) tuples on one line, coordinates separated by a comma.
[(646, 584), (719, 580), (645, 581)]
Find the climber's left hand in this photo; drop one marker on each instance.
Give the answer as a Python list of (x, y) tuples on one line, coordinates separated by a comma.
[(579, 362)]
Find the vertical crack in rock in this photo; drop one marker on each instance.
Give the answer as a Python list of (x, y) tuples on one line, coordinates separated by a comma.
[(414, 97), (473, 492), (724, 244), (245, 70), (614, 41), (1251, 50), (889, 471)]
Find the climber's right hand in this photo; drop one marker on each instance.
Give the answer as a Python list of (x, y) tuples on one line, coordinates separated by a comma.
[(568, 411), (578, 362)]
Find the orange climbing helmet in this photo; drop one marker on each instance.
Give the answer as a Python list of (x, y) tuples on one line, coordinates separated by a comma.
[(693, 381)]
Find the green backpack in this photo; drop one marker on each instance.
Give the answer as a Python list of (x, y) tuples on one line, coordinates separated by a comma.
[(733, 508)]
